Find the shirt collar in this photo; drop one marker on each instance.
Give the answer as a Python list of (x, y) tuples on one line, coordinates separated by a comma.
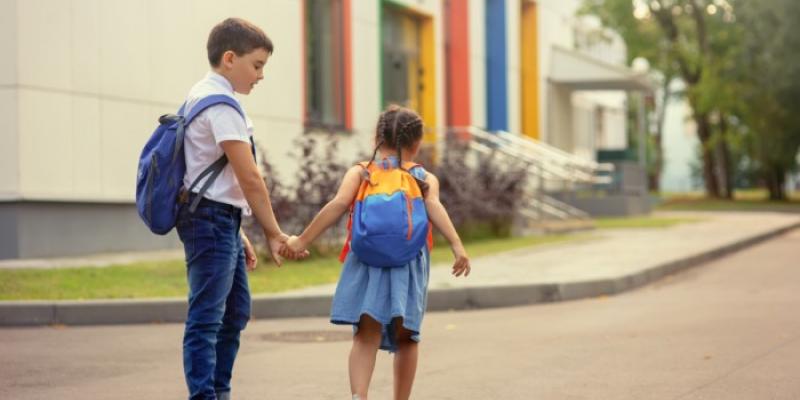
[(221, 80)]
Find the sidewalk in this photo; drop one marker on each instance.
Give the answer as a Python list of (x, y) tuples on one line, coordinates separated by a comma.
[(616, 261)]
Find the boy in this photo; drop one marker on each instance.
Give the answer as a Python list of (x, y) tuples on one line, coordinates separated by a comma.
[(217, 252)]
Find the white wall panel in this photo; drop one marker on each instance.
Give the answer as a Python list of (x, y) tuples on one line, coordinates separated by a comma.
[(125, 51), (87, 147), (124, 127), (45, 43), (46, 157), (9, 151), (477, 49), (8, 42)]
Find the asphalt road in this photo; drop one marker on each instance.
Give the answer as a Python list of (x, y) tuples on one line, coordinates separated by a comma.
[(726, 330)]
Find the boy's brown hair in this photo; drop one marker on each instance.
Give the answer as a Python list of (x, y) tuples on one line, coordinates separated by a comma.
[(237, 35)]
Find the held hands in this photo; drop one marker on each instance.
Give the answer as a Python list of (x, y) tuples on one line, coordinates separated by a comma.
[(294, 245), (461, 264), (277, 250)]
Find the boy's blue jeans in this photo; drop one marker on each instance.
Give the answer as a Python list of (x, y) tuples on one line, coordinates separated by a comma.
[(219, 297)]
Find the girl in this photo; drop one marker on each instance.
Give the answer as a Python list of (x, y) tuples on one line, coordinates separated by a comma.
[(385, 304)]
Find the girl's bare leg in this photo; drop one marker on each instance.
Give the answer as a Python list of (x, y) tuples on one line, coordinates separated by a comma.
[(362, 356), (405, 362)]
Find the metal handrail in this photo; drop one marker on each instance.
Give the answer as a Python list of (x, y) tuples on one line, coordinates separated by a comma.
[(543, 163), (556, 162)]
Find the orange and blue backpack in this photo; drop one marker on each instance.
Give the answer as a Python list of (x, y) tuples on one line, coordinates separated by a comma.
[(388, 223)]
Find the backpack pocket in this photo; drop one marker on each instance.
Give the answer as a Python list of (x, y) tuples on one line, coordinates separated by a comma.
[(382, 215)]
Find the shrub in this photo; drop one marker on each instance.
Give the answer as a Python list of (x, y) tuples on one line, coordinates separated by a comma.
[(482, 192), (316, 181)]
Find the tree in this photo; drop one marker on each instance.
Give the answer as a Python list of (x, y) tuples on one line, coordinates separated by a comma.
[(684, 39), (769, 87)]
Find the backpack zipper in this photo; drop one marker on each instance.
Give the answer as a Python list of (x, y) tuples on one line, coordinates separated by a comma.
[(150, 177)]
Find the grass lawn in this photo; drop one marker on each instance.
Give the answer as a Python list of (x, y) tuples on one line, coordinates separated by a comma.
[(642, 222), (168, 278), (744, 200)]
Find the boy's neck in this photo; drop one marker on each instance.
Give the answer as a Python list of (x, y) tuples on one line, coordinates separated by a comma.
[(222, 73)]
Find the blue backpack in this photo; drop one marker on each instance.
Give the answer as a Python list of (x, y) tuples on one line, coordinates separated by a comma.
[(162, 166)]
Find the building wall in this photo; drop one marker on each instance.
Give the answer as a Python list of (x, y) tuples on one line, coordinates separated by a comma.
[(680, 145), (513, 15), (555, 27), (89, 78), (9, 150), (104, 80), (366, 66), (564, 121), (51, 229), (477, 48)]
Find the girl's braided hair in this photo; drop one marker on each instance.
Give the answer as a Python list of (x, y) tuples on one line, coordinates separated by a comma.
[(398, 128)]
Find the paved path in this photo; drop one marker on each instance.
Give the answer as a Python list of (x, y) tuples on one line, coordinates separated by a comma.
[(612, 253)]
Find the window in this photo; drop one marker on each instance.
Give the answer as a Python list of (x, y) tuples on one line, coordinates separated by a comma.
[(327, 94)]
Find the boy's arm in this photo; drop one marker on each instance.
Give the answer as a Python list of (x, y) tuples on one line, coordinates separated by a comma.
[(438, 216), (332, 211), (240, 157)]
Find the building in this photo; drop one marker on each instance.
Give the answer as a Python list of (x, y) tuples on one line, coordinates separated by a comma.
[(87, 80)]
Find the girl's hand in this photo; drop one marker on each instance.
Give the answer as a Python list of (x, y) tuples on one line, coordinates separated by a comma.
[(295, 244), (461, 265), (250, 257), (294, 249)]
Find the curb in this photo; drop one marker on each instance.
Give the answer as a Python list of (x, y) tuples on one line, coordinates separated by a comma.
[(106, 312)]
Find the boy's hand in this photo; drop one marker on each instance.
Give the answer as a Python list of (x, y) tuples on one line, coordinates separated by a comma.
[(461, 265), (250, 257), (275, 244)]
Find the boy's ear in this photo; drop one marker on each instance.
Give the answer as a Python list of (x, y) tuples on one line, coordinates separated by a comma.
[(227, 58)]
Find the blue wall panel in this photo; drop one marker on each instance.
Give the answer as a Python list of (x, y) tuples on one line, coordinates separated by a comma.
[(496, 66)]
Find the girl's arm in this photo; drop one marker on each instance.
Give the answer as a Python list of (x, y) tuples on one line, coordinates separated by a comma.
[(331, 212), (438, 216)]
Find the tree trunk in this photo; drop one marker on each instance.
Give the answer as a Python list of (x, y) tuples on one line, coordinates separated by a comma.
[(726, 170), (709, 176), (776, 182), (724, 162)]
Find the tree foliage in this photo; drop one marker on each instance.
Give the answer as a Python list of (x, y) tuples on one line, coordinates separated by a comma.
[(739, 61)]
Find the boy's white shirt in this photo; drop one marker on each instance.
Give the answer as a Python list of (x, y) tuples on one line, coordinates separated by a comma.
[(203, 136)]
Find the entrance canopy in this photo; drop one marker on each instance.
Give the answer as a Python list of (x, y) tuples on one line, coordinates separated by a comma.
[(578, 71)]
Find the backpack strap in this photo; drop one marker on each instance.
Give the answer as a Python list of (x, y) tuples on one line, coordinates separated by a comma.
[(202, 105), (213, 170), (408, 165), (209, 101), (365, 179), (423, 186)]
